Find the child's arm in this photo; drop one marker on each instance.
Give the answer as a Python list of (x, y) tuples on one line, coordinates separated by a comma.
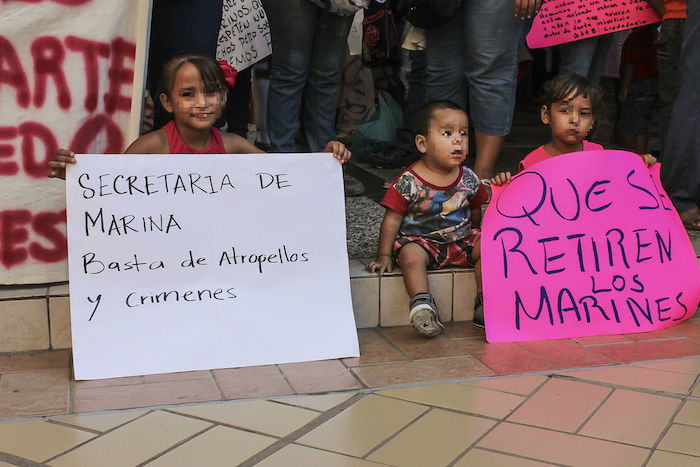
[(58, 163), (387, 235), (236, 144)]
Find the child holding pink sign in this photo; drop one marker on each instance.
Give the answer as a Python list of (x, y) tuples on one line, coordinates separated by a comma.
[(432, 212), (570, 103)]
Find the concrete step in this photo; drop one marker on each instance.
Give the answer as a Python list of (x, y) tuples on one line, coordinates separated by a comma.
[(38, 317)]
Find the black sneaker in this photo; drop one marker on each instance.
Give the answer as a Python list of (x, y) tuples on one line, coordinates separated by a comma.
[(478, 319), (423, 315)]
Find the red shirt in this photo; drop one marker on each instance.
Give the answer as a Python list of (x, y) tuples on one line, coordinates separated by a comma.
[(539, 154), (674, 9), (640, 47), (178, 146)]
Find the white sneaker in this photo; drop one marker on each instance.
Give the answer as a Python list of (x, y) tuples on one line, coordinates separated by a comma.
[(423, 315)]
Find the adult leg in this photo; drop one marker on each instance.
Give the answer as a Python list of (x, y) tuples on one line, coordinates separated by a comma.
[(444, 62), (668, 55), (492, 40), (575, 57), (292, 29), (680, 170), (321, 92)]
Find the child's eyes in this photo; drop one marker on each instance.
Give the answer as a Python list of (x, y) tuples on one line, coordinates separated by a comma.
[(446, 133), (462, 133)]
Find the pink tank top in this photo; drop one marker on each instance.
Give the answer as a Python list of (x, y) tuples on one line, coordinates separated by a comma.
[(539, 154), (178, 146)]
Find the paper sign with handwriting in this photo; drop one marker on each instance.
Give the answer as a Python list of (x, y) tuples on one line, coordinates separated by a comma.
[(585, 244), (561, 21), (190, 262), (244, 36)]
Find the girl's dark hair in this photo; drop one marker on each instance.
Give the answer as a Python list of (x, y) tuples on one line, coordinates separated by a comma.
[(211, 73), (569, 86), (421, 125)]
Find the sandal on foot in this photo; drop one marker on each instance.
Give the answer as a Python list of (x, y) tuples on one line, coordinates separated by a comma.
[(690, 219)]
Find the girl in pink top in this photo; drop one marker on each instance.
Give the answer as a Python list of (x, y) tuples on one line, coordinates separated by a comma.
[(194, 91), (570, 104)]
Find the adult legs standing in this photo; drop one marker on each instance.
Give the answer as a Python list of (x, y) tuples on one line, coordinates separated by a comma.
[(668, 55), (680, 171), (585, 57), (307, 51), (480, 45)]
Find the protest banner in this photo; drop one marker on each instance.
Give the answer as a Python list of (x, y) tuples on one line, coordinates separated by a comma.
[(561, 21), (582, 245), (71, 76), (244, 36), (189, 262)]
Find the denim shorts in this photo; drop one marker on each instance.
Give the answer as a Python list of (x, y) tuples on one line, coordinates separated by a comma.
[(479, 44)]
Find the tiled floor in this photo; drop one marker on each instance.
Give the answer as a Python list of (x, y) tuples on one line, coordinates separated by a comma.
[(627, 400)]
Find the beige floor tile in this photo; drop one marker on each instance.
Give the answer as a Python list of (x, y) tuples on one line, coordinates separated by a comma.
[(302, 456), (5, 464), (361, 427), (365, 301), (101, 422), (25, 325), (631, 417), (481, 458), (34, 393), (254, 381), (690, 366), (135, 442), (417, 444), (59, 322), (460, 397), (393, 302), (178, 376), (39, 441), (35, 361), (261, 416), (561, 448), (422, 371), (646, 378), (463, 295), (672, 459), (561, 405), (683, 439), (93, 399), (219, 446), (319, 376), (696, 391), (318, 402), (522, 385), (689, 414)]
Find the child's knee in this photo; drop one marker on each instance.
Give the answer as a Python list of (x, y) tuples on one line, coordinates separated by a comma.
[(412, 255)]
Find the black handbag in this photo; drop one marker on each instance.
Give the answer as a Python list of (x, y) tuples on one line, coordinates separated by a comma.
[(431, 13), (380, 36)]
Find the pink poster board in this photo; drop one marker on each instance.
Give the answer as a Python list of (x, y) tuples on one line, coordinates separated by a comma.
[(582, 245), (560, 21)]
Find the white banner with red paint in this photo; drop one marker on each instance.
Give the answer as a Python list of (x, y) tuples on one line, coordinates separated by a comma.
[(71, 76)]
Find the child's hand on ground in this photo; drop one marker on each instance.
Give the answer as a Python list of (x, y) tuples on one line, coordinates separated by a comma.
[(58, 164), (648, 159), (380, 265), (339, 151), (501, 179)]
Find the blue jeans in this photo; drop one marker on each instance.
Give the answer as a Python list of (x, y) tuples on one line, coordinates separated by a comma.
[(668, 55), (680, 170), (585, 57), (479, 44), (308, 45)]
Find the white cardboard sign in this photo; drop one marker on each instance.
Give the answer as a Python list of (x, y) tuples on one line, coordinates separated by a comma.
[(244, 36), (189, 262)]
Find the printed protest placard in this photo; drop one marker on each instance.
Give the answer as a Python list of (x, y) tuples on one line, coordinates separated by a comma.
[(561, 21), (71, 76), (187, 262), (244, 37), (582, 245)]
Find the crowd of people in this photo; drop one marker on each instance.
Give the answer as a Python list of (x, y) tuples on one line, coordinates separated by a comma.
[(462, 76)]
